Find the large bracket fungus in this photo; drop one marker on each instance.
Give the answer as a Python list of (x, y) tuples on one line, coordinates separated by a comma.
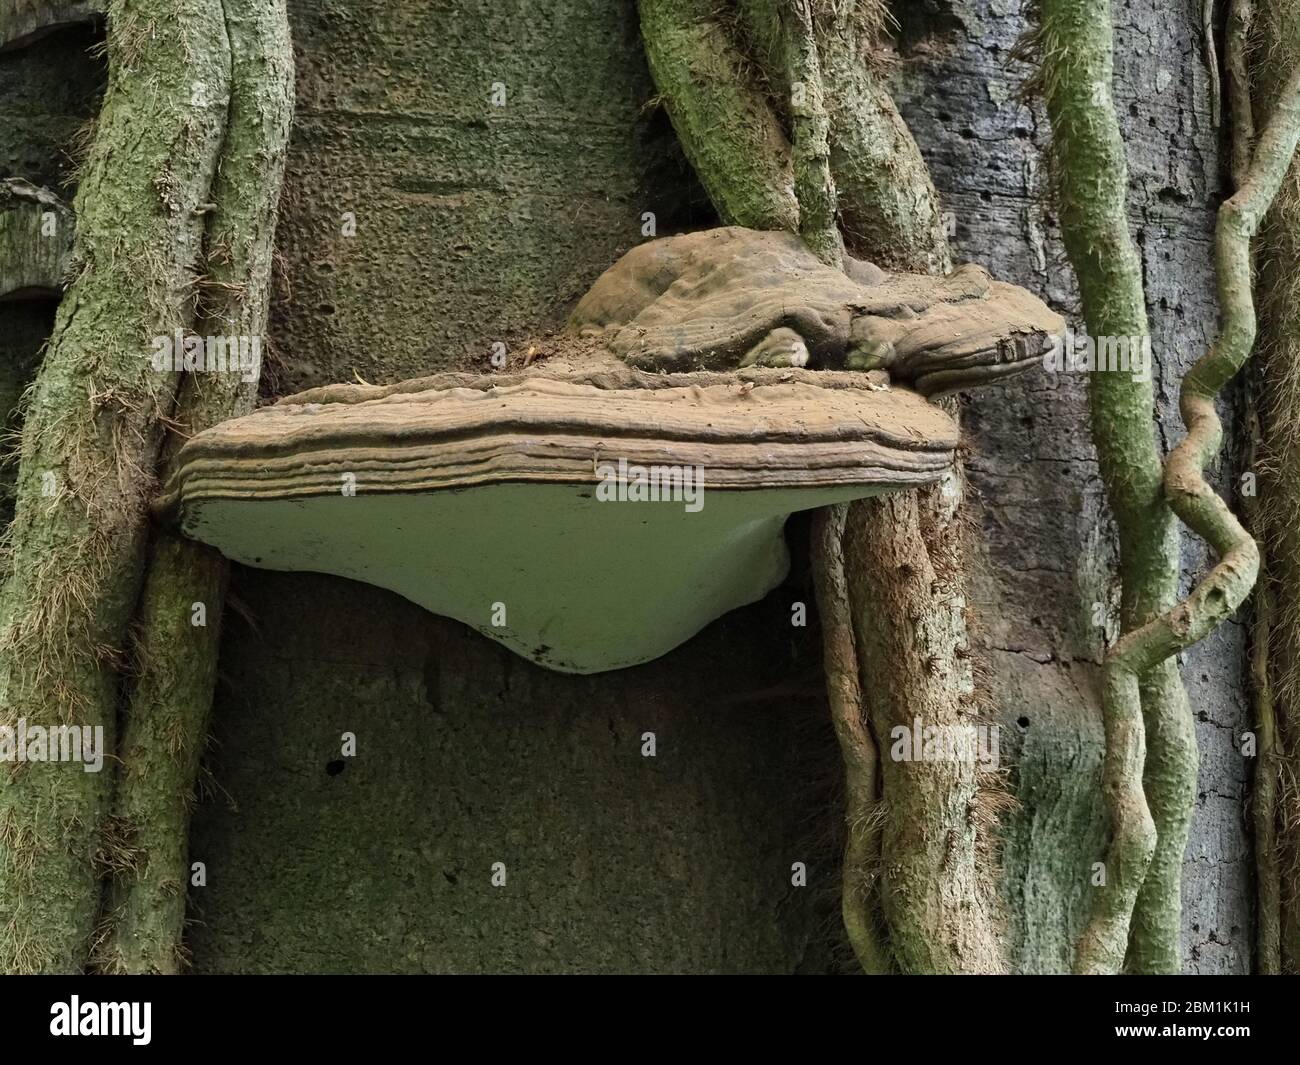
[(505, 501)]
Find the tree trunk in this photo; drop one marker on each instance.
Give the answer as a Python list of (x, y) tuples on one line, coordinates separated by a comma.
[(477, 223), (467, 755), (1043, 556)]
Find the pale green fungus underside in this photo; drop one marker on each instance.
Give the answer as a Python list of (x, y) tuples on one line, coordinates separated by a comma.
[(558, 576)]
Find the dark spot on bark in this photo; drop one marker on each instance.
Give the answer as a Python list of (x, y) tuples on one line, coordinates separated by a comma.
[(433, 681), (335, 767)]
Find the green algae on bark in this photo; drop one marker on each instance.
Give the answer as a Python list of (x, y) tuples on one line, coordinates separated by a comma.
[(90, 441), (177, 632), (722, 117), (1151, 763)]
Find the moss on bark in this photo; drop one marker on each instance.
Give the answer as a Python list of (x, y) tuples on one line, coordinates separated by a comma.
[(936, 924), (1150, 785), (722, 118), (178, 623), (1076, 41), (89, 445), (1276, 26), (861, 864), (906, 592)]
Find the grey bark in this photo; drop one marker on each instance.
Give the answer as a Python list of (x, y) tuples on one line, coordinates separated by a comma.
[(1044, 553)]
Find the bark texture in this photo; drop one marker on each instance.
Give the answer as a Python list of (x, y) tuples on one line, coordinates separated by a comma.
[(727, 129), (937, 924), (935, 877), (523, 207), (858, 748), (475, 224), (1043, 556), (1150, 770), (1276, 800)]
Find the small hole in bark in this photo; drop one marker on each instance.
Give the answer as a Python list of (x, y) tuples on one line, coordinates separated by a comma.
[(335, 767), (326, 308), (1023, 722)]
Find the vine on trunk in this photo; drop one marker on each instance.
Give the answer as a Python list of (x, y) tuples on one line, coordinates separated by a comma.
[(878, 178), (1144, 858), (1151, 754), (176, 657), (89, 444)]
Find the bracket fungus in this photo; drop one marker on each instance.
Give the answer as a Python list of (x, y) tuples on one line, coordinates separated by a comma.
[(507, 500), (24, 21), (36, 229)]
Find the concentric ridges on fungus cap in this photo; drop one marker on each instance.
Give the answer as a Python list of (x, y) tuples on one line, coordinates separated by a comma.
[(781, 432)]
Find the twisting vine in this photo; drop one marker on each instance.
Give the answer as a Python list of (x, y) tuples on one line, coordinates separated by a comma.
[(1149, 778), (1217, 596), (1077, 40)]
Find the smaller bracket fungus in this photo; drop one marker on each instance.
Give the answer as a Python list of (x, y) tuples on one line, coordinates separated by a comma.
[(36, 231), (25, 21), (602, 506), (588, 521), (723, 298)]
